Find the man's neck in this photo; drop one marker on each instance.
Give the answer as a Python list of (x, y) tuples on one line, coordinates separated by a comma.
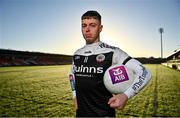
[(88, 43)]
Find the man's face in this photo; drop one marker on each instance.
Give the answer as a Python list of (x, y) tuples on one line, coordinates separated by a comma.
[(91, 29)]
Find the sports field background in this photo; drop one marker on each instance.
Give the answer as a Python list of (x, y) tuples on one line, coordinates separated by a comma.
[(44, 91)]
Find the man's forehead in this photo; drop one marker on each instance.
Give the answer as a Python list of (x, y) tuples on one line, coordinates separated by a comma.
[(90, 20)]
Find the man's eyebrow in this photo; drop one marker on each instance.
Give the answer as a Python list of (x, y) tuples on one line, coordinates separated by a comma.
[(83, 24), (92, 23)]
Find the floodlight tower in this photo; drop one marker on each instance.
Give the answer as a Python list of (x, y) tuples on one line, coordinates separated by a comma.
[(161, 30)]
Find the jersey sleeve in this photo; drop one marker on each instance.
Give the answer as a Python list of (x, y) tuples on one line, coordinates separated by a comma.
[(143, 75), (72, 80), (119, 56)]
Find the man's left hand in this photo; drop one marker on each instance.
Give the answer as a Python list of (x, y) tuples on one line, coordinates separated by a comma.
[(118, 101)]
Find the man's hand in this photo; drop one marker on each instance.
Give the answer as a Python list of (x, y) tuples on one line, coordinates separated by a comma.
[(118, 101), (75, 103)]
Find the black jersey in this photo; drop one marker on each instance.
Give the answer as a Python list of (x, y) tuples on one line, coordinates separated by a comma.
[(88, 68)]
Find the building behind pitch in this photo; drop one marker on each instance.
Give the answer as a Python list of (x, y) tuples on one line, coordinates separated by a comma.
[(173, 61)]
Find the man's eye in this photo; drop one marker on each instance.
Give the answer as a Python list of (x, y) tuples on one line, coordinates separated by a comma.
[(83, 25), (93, 25)]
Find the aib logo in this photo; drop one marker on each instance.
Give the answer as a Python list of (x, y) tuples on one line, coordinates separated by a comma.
[(118, 74)]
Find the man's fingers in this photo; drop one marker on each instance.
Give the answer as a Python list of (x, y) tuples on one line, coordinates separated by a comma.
[(113, 105), (113, 102), (112, 99), (118, 101)]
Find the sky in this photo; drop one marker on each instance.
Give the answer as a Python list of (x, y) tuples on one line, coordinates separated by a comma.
[(54, 26)]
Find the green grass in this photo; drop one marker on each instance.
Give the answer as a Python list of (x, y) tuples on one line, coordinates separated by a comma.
[(44, 91), (35, 91), (161, 97)]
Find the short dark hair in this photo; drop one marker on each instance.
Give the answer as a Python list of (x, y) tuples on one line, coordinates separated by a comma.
[(91, 14)]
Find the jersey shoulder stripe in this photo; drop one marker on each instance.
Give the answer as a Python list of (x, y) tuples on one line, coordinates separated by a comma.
[(104, 45)]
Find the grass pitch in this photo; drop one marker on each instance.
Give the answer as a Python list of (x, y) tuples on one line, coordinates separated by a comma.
[(44, 91)]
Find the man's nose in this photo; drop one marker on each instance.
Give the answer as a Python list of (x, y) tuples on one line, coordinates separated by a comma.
[(87, 29)]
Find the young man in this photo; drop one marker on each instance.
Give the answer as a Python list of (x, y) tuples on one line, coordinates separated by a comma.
[(90, 96)]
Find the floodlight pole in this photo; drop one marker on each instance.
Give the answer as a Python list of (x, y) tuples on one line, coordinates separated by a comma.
[(161, 30)]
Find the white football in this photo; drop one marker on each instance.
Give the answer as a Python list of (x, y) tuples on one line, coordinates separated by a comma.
[(118, 78)]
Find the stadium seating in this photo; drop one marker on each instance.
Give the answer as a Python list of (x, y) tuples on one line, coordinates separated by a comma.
[(24, 58)]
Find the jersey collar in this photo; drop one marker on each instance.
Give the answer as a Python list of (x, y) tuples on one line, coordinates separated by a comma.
[(94, 44)]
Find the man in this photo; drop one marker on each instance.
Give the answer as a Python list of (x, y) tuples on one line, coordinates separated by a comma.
[(90, 96)]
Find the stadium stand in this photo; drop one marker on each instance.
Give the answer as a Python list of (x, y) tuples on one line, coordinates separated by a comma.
[(151, 60), (173, 61), (25, 58)]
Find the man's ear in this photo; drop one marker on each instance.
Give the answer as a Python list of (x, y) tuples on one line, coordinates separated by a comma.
[(101, 27)]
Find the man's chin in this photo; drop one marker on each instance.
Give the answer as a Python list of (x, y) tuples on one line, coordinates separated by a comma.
[(90, 41)]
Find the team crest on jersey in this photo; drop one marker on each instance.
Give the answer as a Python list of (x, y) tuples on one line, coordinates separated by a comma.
[(100, 58)]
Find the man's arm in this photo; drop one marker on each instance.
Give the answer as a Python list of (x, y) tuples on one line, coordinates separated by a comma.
[(143, 75), (72, 82), (142, 78)]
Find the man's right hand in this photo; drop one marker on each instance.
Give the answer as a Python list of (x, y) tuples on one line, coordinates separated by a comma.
[(75, 103)]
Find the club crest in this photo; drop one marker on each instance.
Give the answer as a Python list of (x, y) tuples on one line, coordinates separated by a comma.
[(100, 58)]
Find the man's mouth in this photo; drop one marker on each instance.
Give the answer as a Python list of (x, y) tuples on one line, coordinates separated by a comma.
[(88, 35)]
